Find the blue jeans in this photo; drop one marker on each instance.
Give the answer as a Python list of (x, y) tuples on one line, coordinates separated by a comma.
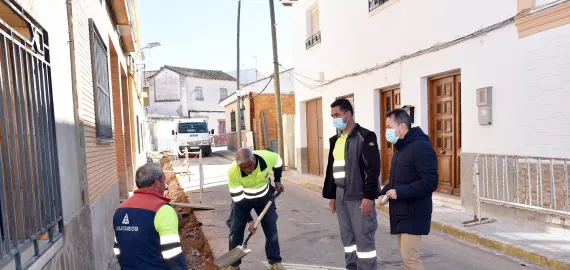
[(268, 223)]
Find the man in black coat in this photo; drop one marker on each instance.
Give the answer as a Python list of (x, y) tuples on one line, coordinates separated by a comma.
[(351, 185), (413, 179)]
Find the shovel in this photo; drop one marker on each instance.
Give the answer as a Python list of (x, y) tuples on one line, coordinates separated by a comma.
[(239, 252)]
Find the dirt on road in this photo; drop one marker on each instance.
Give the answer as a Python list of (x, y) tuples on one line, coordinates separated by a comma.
[(194, 244)]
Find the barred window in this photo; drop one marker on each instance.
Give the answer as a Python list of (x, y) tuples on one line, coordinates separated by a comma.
[(199, 93), (223, 93), (222, 127), (31, 212), (233, 119), (100, 66), (242, 118)]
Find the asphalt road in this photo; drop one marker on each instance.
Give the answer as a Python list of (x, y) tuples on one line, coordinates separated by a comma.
[(309, 237)]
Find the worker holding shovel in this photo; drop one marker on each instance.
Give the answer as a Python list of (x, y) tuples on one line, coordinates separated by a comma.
[(250, 188)]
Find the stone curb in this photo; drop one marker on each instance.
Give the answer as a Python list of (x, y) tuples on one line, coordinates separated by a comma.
[(477, 239)]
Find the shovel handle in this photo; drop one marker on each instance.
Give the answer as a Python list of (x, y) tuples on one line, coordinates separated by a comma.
[(261, 215), (266, 209), (249, 234)]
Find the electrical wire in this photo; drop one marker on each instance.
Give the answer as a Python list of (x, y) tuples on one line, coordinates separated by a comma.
[(433, 48), (270, 79)]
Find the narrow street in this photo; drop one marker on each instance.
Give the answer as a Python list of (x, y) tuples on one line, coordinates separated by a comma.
[(309, 235)]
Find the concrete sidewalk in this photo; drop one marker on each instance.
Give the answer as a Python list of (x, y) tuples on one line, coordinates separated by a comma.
[(525, 239)]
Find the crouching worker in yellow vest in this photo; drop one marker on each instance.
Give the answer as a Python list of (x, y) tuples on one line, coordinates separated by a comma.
[(250, 188)]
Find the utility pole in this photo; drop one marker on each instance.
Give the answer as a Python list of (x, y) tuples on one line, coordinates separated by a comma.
[(238, 90), (277, 82)]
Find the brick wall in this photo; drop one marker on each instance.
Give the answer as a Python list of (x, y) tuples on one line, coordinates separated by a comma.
[(266, 102), (100, 158), (118, 133)]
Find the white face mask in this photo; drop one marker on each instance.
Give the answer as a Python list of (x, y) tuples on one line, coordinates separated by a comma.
[(391, 136), (339, 123)]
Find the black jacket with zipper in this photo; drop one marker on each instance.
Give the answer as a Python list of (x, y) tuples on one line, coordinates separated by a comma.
[(414, 177), (362, 168)]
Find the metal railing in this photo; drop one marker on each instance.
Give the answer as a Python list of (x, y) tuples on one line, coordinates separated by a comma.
[(313, 40), (538, 184), (373, 4), (30, 195)]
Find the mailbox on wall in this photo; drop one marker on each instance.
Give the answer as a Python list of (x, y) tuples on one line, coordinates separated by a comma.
[(484, 104)]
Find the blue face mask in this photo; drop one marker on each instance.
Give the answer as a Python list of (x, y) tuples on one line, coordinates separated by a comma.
[(339, 124), (391, 136)]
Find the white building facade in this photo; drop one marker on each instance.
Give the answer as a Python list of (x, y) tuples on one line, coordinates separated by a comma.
[(440, 57), (190, 93)]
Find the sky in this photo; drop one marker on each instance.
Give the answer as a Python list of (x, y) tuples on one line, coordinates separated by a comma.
[(202, 34)]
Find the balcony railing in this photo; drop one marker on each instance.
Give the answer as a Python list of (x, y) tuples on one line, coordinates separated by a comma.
[(373, 4), (313, 40)]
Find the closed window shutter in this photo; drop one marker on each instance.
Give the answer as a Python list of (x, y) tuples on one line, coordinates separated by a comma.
[(100, 65)]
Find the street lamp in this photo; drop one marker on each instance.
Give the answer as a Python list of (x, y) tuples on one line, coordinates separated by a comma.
[(149, 46), (152, 45)]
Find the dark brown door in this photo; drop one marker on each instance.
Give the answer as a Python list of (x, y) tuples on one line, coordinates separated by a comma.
[(389, 100), (457, 101), (445, 130), (315, 137)]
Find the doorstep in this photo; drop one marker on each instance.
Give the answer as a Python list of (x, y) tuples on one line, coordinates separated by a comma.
[(541, 246)]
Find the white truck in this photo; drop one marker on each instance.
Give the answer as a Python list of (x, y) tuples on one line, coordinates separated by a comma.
[(194, 135)]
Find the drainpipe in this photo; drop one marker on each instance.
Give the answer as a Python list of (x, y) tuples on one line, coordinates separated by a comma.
[(79, 131)]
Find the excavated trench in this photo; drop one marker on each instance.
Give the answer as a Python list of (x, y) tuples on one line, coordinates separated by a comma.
[(195, 246)]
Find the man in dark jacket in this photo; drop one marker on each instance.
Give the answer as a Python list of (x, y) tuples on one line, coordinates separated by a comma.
[(352, 185), (413, 179)]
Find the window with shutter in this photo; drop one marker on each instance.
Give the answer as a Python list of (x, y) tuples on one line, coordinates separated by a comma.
[(100, 67), (315, 20)]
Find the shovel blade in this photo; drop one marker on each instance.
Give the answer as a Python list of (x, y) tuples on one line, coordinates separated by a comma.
[(231, 257)]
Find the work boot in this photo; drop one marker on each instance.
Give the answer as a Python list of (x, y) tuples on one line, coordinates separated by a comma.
[(277, 266)]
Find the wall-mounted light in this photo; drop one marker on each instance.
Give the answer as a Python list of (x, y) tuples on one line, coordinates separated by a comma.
[(410, 109)]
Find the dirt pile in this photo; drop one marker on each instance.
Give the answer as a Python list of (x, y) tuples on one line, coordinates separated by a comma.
[(198, 254)]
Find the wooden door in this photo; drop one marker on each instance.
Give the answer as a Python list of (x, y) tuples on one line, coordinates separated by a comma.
[(457, 105), (315, 137), (389, 100), (445, 130), (320, 136)]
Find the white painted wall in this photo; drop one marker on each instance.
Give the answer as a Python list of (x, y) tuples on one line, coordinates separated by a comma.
[(67, 142), (156, 92), (143, 134), (165, 81), (530, 76)]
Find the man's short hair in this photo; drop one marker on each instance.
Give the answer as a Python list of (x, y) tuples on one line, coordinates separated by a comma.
[(400, 116), (147, 174), (244, 155), (344, 105)]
